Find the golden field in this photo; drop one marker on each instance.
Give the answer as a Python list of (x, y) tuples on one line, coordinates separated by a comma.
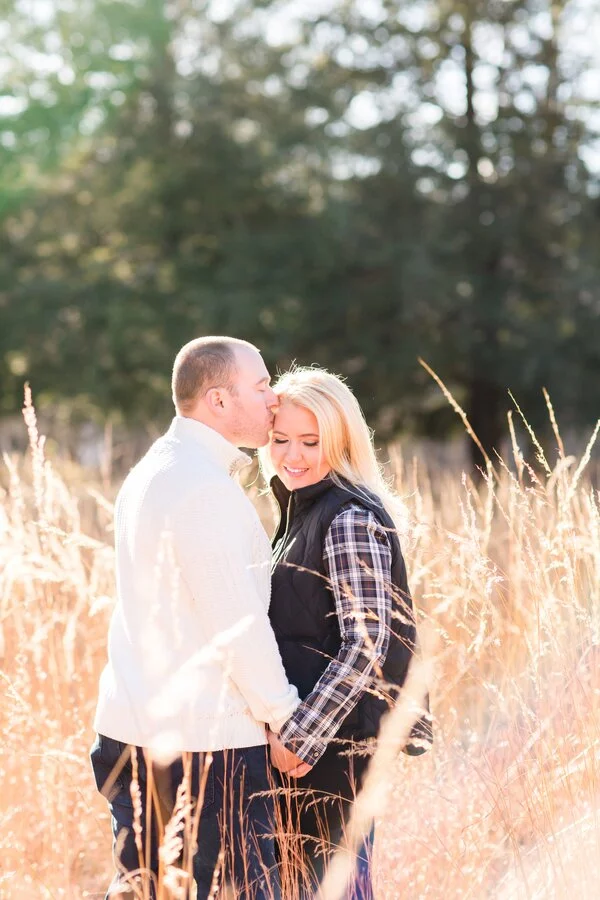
[(507, 578)]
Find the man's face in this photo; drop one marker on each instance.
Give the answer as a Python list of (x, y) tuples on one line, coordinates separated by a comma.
[(252, 401)]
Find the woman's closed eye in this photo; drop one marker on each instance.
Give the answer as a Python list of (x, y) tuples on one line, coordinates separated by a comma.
[(276, 440)]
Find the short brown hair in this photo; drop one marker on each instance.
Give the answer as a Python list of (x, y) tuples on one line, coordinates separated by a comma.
[(202, 364)]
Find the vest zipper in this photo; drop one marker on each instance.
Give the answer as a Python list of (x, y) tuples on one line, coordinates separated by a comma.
[(289, 509), (281, 541), (288, 518)]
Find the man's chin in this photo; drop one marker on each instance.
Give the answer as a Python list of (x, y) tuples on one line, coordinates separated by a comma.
[(255, 443), (263, 440)]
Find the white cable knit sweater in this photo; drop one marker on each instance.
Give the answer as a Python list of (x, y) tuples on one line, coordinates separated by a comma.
[(193, 662)]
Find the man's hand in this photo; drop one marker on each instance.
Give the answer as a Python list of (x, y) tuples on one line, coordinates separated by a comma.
[(284, 760)]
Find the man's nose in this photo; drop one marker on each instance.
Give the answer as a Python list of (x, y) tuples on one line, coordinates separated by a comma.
[(272, 400)]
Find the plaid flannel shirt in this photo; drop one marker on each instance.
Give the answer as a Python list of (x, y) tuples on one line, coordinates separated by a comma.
[(358, 561)]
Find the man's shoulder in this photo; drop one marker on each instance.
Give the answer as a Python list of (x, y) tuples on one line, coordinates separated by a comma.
[(177, 476), (171, 469)]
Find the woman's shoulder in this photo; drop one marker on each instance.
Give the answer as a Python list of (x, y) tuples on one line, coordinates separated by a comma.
[(357, 521), (357, 495), (354, 510)]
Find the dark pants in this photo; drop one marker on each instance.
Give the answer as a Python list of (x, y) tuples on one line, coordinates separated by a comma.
[(234, 829), (315, 811)]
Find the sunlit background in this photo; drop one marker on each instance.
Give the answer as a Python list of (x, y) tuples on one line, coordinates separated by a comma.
[(361, 185)]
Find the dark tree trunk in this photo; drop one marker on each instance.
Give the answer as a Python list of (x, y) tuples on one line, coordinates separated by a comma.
[(485, 413)]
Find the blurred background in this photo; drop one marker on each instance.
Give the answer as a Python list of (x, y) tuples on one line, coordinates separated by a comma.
[(359, 184), (355, 184)]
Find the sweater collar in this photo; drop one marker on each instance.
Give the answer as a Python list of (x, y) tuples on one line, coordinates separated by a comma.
[(220, 450)]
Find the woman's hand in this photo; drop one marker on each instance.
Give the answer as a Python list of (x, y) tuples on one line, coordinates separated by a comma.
[(284, 760)]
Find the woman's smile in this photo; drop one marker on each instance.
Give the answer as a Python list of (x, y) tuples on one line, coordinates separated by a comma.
[(295, 473)]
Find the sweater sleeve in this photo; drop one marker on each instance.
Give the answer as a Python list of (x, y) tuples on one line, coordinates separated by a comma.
[(214, 552)]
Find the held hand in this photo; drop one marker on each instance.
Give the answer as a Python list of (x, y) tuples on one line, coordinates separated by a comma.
[(284, 760)]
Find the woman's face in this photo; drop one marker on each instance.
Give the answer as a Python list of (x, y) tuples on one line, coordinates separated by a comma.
[(294, 447)]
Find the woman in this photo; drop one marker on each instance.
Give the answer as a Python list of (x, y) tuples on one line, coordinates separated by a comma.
[(340, 608)]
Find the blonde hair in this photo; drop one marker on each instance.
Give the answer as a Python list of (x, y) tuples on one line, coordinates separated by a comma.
[(345, 439)]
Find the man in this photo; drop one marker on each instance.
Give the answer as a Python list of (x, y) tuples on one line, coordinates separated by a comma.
[(194, 669)]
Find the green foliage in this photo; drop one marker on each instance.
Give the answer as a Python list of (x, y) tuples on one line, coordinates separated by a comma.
[(384, 183)]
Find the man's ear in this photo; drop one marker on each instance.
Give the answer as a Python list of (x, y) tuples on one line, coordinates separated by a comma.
[(214, 399)]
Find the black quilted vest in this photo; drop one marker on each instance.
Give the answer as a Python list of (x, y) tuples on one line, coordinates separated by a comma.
[(302, 610)]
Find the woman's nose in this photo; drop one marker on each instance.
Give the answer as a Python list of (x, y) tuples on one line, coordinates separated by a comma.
[(293, 452)]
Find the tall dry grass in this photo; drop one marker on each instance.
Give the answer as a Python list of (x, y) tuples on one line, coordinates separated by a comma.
[(507, 576)]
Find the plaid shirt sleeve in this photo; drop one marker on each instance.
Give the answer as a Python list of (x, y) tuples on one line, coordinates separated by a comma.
[(358, 563)]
